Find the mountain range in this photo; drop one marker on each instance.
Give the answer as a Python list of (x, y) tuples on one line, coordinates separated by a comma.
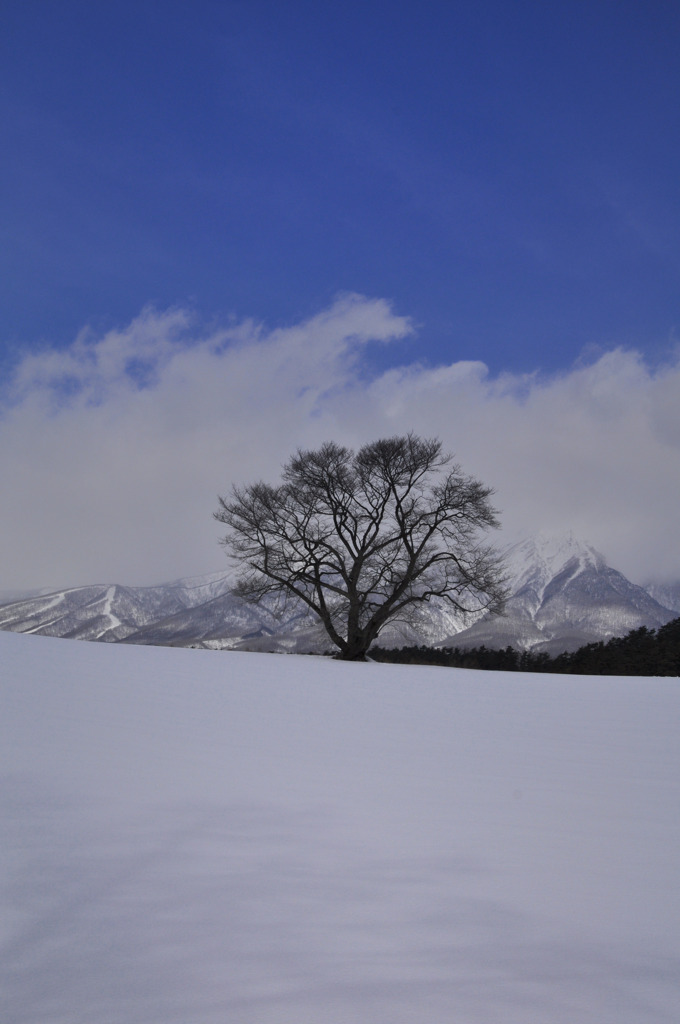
[(562, 595)]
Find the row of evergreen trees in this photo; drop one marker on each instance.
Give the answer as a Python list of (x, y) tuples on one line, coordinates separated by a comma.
[(642, 652)]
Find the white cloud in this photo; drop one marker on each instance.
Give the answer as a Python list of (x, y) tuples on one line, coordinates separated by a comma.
[(112, 452)]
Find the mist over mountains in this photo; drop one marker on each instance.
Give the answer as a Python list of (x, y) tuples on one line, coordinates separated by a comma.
[(563, 594)]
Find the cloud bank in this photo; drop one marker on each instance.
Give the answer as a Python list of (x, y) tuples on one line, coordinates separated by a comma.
[(113, 450)]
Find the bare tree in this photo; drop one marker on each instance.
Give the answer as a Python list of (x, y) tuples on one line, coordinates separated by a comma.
[(362, 537)]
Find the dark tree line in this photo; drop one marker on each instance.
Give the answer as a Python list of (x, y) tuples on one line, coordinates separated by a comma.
[(642, 652)]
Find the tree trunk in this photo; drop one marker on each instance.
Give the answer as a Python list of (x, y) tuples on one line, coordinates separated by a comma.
[(352, 655), (356, 646)]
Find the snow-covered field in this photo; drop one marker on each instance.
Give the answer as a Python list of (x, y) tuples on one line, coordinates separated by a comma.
[(195, 837)]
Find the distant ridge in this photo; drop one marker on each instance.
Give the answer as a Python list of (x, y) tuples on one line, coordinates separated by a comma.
[(108, 612), (563, 594)]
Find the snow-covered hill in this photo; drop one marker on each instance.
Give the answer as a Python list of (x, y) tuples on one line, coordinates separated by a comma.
[(197, 837)]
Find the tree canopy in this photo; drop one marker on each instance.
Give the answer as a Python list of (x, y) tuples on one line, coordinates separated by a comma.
[(362, 537)]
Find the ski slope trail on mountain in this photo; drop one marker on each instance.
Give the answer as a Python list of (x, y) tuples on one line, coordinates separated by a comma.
[(211, 837)]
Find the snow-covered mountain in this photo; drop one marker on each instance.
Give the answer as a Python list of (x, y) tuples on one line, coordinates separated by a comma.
[(109, 612), (563, 595), (199, 611), (667, 594)]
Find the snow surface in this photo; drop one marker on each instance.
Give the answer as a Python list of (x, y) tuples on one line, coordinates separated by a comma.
[(198, 837)]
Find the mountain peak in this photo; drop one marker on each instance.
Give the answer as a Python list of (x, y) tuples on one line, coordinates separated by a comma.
[(537, 560)]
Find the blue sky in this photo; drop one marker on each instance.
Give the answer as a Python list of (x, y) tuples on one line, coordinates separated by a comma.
[(504, 173), (231, 229)]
